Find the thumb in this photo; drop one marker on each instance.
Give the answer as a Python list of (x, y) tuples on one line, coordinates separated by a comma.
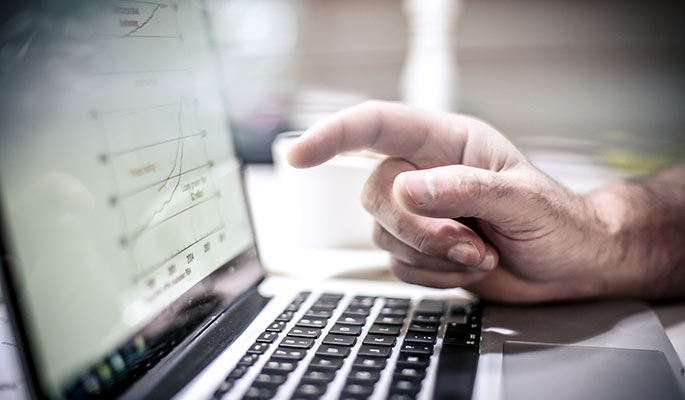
[(457, 191)]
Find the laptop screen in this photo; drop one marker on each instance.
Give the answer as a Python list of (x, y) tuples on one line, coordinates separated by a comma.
[(119, 189)]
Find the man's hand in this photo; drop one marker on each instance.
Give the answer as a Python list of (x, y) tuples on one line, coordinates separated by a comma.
[(458, 205)]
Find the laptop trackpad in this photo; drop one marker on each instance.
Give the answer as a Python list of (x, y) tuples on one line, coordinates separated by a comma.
[(542, 371)]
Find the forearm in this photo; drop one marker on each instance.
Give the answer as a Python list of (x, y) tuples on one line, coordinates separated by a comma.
[(645, 224)]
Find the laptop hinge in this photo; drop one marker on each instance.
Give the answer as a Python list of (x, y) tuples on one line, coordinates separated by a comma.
[(167, 378)]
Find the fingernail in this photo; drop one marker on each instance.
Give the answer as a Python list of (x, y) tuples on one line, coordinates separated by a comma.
[(464, 253), (420, 187), (488, 262)]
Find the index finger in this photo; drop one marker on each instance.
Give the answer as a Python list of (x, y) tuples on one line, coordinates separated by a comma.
[(392, 129)]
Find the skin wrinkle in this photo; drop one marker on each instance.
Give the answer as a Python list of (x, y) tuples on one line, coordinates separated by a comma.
[(468, 136), (425, 133), (470, 188), (380, 127), (456, 140), (420, 239)]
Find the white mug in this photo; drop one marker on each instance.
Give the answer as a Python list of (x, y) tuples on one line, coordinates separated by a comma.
[(322, 204)]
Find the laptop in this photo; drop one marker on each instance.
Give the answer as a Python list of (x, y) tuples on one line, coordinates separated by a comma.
[(130, 269)]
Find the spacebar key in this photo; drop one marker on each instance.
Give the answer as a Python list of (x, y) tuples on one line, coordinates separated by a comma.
[(456, 372)]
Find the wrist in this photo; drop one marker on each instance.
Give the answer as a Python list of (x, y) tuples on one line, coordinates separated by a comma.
[(611, 216), (640, 225)]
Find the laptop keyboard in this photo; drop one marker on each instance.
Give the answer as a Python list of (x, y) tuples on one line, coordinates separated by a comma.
[(381, 336)]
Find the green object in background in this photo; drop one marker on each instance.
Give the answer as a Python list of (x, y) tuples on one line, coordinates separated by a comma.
[(639, 163)]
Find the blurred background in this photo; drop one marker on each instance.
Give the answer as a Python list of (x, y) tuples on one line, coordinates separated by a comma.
[(573, 81)]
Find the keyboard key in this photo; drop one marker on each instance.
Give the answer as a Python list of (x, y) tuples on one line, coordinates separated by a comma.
[(357, 390), (363, 301), (285, 353), (318, 376), (363, 376), (346, 329), (305, 332), (374, 351), (285, 317), (397, 302), (456, 372), (295, 342), (348, 319), (312, 322), (457, 310), (224, 388), (415, 336), (322, 362), (413, 360), (277, 326), (269, 380), (390, 320), (369, 362), (432, 307), (409, 387), (341, 340), (410, 373), (416, 348), (378, 329), (323, 307), (399, 312), (326, 313), (258, 348), (401, 396), (248, 359), (461, 341), (330, 295), (380, 340), (303, 295), (326, 303), (277, 366), (426, 318), (267, 337), (474, 307), (333, 351), (259, 393), (360, 311), (238, 372), (454, 328), (461, 335), (421, 327), (473, 319), (309, 390)]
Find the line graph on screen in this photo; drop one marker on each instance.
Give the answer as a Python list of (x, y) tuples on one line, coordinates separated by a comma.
[(141, 19), (163, 177)]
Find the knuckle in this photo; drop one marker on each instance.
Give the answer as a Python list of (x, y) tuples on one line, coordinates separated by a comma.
[(422, 241), (435, 239), (470, 186)]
